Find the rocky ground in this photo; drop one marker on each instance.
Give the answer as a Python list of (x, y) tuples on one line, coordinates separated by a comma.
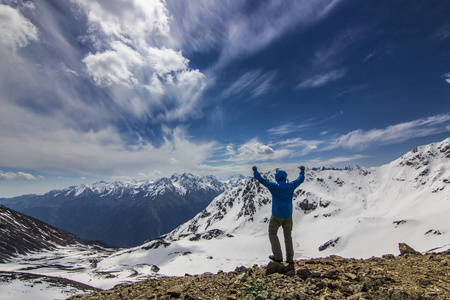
[(410, 275)]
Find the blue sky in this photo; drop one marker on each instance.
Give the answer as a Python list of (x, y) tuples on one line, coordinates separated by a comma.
[(139, 89)]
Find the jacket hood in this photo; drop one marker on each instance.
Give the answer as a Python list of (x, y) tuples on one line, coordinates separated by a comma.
[(280, 176)]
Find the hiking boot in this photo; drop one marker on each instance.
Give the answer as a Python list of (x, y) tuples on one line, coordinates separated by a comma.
[(272, 257)]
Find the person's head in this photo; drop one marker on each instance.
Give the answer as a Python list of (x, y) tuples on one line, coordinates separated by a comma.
[(280, 176)]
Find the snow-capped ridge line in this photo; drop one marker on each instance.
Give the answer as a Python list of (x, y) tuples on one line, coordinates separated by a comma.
[(126, 212), (181, 182)]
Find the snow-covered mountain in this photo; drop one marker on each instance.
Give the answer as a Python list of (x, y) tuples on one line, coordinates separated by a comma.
[(122, 214), (20, 236), (352, 212)]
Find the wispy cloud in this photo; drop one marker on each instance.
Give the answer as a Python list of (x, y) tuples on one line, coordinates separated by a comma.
[(332, 54), (260, 27), (240, 28), (16, 30), (322, 79), (17, 176), (101, 153), (254, 83), (303, 147), (361, 139), (442, 34), (287, 128), (336, 160), (291, 127)]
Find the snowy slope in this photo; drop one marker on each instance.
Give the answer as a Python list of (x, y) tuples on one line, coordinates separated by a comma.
[(20, 234), (355, 212), (38, 247), (25, 286)]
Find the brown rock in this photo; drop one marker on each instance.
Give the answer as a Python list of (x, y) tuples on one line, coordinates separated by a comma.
[(351, 276), (405, 249), (274, 267), (304, 273), (175, 291)]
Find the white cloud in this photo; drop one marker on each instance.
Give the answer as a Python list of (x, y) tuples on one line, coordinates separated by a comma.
[(70, 126), (155, 86), (17, 176), (254, 151), (166, 60), (446, 77), (101, 152), (361, 139), (131, 19), (134, 38), (16, 31), (322, 79), (114, 66), (255, 148)]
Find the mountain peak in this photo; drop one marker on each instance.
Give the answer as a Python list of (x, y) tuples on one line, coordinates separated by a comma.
[(422, 156)]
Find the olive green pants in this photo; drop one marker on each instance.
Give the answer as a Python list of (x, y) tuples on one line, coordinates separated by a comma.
[(274, 224)]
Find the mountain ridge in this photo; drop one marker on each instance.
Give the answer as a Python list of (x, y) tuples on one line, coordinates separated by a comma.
[(21, 234), (352, 212), (122, 213)]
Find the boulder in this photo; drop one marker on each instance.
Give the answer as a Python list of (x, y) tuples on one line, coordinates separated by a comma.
[(405, 249)]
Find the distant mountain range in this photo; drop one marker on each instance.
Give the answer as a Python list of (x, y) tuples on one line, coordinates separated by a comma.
[(122, 214)]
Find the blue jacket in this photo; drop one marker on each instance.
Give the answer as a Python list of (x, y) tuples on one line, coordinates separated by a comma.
[(282, 192)]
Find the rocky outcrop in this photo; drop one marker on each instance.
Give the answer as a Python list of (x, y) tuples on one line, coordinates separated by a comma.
[(407, 276), (406, 249)]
